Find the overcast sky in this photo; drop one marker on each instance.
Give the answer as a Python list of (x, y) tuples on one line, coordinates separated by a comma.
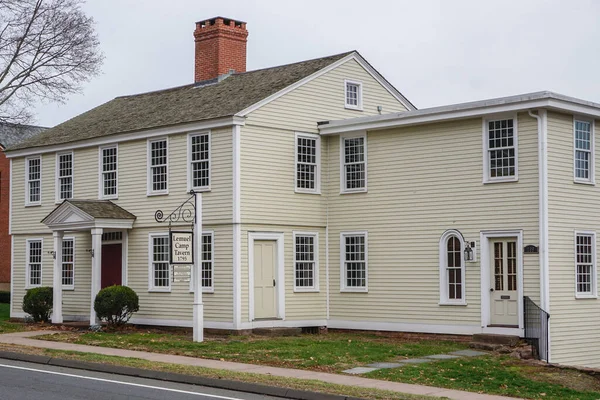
[(434, 52)]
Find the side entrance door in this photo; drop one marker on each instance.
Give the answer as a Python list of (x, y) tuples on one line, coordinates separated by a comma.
[(504, 296), (265, 294), (112, 264)]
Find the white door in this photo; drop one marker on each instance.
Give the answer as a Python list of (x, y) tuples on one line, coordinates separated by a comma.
[(504, 295), (265, 294)]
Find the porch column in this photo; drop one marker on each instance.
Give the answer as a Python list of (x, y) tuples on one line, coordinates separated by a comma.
[(57, 314), (96, 269)]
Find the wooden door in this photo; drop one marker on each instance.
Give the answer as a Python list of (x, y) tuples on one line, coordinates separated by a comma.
[(112, 264), (265, 264), (504, 296)]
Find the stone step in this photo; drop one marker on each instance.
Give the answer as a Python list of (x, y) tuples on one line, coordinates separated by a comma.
[(277, 331), (506, 340)]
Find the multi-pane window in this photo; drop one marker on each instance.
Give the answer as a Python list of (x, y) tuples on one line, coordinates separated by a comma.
[(354, 258), (501, 149), (585, 248), (454, 266), (34, 180), (354, 164), (158, 174), (353, 94), (34, 263), (109, 172), (305, 261), (207, 260), (307, 160), (161, 268), (65, 176), (68, 266), (584, 159), (200, 160)]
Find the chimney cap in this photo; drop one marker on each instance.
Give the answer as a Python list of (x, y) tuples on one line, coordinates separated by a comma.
[(219, 17)]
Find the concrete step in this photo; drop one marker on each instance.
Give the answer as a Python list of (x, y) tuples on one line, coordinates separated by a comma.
[(277, 331), (506, 340)]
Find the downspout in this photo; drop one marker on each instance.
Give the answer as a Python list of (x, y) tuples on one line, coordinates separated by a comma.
[(542, 120)]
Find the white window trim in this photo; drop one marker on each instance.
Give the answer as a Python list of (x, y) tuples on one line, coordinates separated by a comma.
[(151, 287), (101, 195), (28, 284), (27, 202), (443, 255), (343, 287), (58, 200), (315, 287), (594, 278), (149, 191), (343, 189), (592, 179), (359, 107), (486, 157), (189, 162), (69, 287), (206, 289), (317, 138)]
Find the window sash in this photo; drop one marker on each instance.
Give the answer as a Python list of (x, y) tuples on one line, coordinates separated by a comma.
[(109, 172), (454, 268), (207, 260), (585, 263), (305, 261), (307, 170), (355, 261), (159, 166), (583, 143), (354, 163), (34, 180), (34, 263), (200, 160), (161, 269), (65, 176), (68, 262), (352, 94), (501, 149)]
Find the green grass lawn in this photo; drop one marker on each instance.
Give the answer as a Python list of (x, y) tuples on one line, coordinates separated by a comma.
[(498, 375), (5, 326), (332, 352)]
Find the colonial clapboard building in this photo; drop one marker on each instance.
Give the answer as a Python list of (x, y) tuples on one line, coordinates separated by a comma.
[(328, 200)]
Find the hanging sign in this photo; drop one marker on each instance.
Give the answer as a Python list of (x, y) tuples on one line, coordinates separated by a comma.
[(182, 273), (182, 247)]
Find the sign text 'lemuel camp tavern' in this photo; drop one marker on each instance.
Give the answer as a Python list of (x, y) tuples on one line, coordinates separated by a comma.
[(182, 247)]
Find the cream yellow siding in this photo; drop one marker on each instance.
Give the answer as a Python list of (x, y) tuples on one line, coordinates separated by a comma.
[(574, 323), (132, 189), (423, 181)]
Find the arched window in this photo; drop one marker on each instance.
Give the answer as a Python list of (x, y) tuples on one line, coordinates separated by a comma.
[(452, 268)]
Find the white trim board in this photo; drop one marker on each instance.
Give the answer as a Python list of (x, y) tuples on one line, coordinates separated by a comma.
[(418, 327), (237, 227), (280, 273)]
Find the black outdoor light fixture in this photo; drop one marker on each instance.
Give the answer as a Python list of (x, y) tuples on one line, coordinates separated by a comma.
[(469, 255)]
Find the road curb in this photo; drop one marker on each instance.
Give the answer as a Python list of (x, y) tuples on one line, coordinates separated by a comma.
[(174, 377)]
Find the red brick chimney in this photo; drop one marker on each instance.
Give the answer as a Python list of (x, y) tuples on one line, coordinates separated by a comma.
[(220, 47)]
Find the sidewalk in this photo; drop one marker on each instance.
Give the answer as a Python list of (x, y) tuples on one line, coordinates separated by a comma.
[(27, 339)]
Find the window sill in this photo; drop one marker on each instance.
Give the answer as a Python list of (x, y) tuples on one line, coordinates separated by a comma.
[(152, 194), (582, 182), (307, 290), (353, 108), (446, 303), (108, 198), (358, 290), (507, 180), (302, 191), (586, 297), (33, 204), (32, 287), (200, 189), (354, 191), (68, 288), (207, 291), (159, 290)]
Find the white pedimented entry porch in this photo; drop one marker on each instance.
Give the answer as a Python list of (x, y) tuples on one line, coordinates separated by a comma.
[(97, 217)]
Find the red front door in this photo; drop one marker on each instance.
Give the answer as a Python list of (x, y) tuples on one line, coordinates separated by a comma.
[(112, 264)]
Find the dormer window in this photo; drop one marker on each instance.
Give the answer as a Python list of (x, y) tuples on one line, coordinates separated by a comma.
[(353, 95)]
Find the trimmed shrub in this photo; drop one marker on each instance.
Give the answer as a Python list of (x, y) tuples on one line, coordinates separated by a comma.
[(5, 297), (37, 302), (116, 305)]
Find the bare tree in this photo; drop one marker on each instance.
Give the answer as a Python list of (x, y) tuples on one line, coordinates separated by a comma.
[(48, 49)]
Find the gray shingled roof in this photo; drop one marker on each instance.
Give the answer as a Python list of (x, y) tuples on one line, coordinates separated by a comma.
[(11, 134), (97, 209), (179, 105)]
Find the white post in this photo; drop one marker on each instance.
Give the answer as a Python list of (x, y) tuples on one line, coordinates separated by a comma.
[(57, 314), (96, 270), (198, 322)]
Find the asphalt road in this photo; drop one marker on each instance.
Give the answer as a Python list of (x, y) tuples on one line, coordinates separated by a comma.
[(25, 381)]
